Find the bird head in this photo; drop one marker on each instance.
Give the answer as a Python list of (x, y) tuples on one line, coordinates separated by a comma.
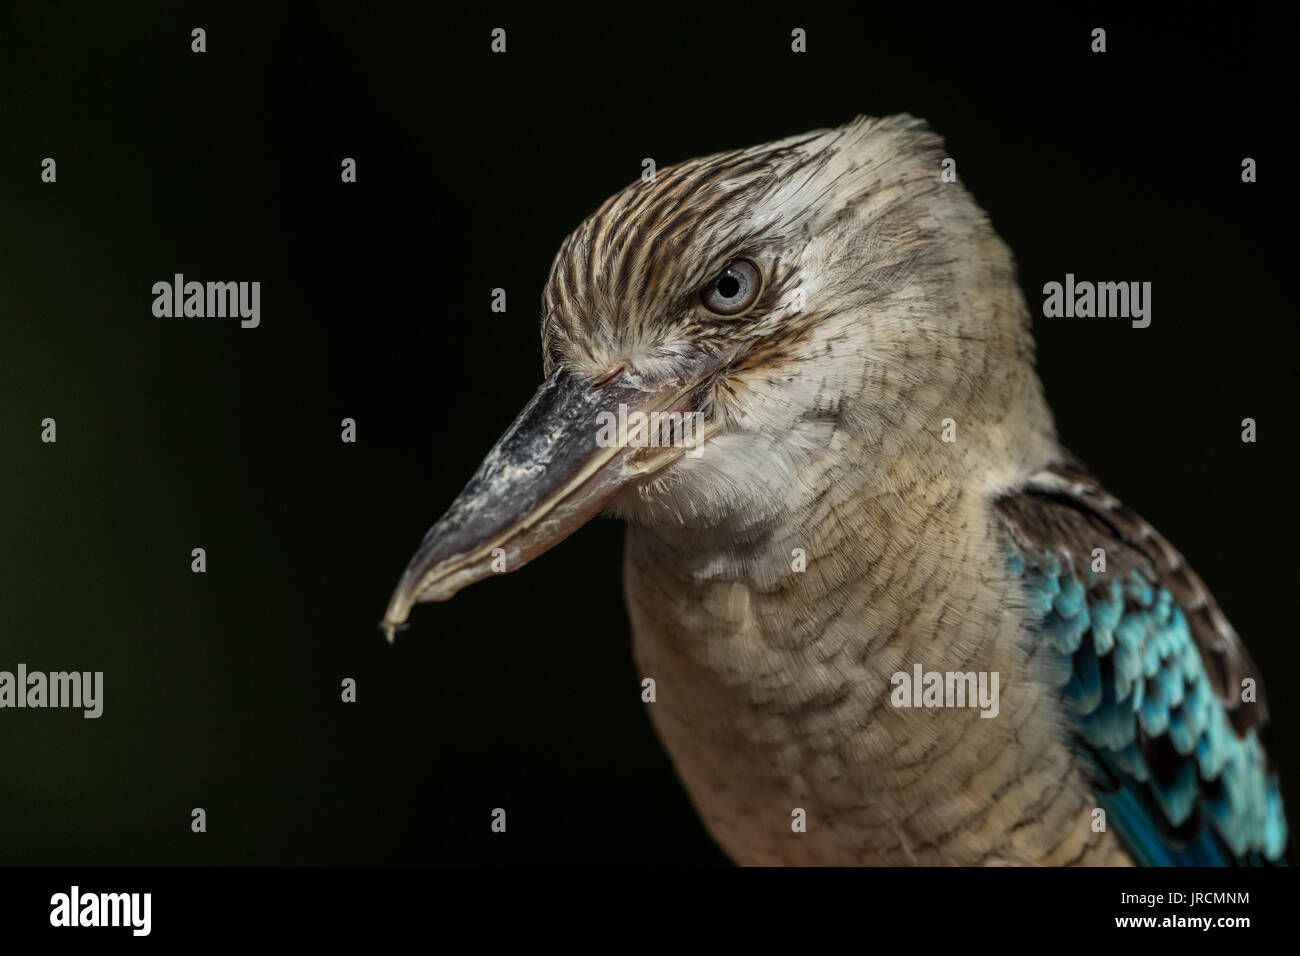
[(711, 333)]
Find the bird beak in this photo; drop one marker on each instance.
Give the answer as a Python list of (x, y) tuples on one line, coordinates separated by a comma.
[(550, 473)]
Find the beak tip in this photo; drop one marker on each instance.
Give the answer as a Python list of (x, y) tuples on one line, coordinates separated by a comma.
[(404, 597), (390, 629), (395, 616)]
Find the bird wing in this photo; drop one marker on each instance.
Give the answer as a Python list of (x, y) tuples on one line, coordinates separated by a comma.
[(1152, 672)]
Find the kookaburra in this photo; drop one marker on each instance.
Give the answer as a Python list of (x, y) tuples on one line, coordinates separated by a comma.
[(878, 530)]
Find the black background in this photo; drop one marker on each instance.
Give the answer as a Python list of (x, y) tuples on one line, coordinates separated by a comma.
[(222, 689)]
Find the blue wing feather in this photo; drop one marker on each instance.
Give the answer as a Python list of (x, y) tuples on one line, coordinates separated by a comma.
[(1180, 785)]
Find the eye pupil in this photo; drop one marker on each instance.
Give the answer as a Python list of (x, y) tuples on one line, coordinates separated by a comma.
[(728, 286)]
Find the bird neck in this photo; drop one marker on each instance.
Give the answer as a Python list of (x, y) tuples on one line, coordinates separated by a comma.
[(775, 684), (910, 568)]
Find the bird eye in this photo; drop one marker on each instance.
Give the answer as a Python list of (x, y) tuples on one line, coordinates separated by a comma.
[(734, 289)]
